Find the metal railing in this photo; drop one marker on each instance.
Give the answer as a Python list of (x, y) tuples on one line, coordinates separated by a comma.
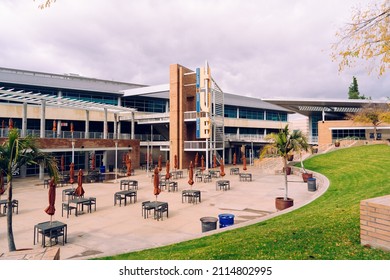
[(245, 137)]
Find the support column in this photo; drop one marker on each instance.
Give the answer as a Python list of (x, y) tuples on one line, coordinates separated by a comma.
[(132, 126), (86, 124), (59, 128), (105, 126), (43, 119), (41, 171), (115, 126), (119, 128), (24, 120)]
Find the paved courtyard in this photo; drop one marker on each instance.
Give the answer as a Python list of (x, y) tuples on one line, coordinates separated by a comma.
[(115, 229)]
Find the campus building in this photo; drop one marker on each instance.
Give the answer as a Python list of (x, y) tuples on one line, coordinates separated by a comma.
[(328, 121), (77, 116)]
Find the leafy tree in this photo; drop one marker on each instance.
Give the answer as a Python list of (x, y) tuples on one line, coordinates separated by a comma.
[(374, 114), (16, 152), (353, 92), (367, 37), (283, 143)]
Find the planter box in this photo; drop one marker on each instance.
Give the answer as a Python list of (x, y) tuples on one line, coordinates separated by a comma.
[(281, 203)]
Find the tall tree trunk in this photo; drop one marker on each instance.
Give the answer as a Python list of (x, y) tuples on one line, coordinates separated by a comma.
[(285, 177), (375, 133), (11, 241)]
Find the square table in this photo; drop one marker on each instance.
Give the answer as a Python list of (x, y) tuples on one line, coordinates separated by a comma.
[(223, 185), (51, 230), (80, 202), (151, 205), (245, 176), (234, 171), (191, 196), (123, 195)]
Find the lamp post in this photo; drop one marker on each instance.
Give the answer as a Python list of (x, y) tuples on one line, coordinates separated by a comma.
[(116, 161)]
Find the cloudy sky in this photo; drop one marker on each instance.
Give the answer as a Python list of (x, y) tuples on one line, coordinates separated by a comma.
[(259, 48)]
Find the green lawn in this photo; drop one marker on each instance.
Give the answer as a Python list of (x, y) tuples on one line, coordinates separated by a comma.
[(328, 228)]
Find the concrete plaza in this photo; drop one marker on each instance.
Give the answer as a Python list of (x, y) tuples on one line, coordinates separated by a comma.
[(114, 229)]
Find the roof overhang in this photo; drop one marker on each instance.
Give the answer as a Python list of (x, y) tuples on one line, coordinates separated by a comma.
[(307, 106), (61, 102)]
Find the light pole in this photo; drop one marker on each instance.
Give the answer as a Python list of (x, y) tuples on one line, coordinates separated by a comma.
[(116, 161)]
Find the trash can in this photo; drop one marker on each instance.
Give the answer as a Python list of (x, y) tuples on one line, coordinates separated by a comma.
[(111, 168), (226, 220), (311, 184), (103, 169), (208, 223)]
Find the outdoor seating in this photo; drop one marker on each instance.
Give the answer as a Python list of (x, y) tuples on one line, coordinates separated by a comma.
[(207, 177), (172, 186), (234, 171), (94, 176), (89, 203), (52, 230), (198, 177), (146, 209), (68, 208), (133, 184), (123, 195), (15, 206), (223, 185), (245, 176), (159, 211), (192, 196)]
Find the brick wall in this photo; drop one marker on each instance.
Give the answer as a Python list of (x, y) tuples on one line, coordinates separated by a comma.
[(375, 222)]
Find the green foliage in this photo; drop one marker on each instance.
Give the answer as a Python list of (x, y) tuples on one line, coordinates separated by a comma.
[(326, 229), (285, 142), (16, 152), (353, 92)]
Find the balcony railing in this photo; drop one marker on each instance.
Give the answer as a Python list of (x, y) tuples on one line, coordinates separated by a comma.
[(245, 137)]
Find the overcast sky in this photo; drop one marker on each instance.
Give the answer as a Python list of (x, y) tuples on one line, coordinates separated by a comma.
[(259, 48)]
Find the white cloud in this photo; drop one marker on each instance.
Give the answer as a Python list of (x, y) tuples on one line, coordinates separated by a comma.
[(257, 48)]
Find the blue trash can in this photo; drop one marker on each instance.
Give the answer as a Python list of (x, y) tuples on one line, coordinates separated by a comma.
[(103, 169), (311, 184), (225, 220)]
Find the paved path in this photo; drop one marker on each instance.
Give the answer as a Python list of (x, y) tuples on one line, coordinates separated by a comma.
[(114, 229)]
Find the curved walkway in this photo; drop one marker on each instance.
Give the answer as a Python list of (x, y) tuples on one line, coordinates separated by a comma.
[(113, 229)]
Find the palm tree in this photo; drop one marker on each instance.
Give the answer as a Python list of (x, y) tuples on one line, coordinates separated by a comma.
[(283, 143), (15, 153)]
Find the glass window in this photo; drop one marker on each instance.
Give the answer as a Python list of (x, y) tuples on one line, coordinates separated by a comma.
[(230, 112), (277, 116)]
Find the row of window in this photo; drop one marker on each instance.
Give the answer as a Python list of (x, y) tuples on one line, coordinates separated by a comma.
[(254, 114), (348, 133)]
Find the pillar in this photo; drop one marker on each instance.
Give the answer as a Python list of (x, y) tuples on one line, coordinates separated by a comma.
[(24, 120), (105, 126), (86, 124), (43, 119)]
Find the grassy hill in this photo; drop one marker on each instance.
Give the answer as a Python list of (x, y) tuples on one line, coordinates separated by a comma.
[(327, 228)]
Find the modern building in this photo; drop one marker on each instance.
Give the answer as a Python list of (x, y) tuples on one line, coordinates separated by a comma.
[(79, 117), (328, 120)]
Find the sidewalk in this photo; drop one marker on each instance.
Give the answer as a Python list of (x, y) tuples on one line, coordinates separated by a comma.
[(113, 229)]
